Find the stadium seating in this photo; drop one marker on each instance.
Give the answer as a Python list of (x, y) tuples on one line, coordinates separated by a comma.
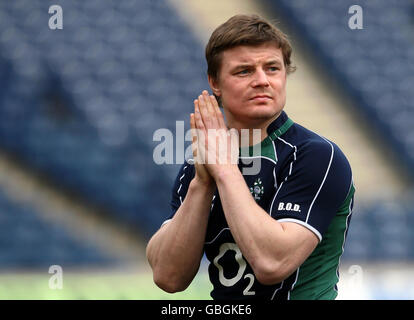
[(375, 65), (81, 104), (27, 241), (381, 232)]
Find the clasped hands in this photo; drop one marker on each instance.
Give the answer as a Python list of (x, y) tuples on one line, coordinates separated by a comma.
[(215, 147)]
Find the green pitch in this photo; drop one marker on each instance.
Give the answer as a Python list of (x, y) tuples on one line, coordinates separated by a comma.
[(96, 286)]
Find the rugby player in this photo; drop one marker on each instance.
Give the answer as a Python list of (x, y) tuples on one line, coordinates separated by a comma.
[(277, 234)]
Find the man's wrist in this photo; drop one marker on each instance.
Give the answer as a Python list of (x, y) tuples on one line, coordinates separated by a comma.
[(205, 186), (226, 173)]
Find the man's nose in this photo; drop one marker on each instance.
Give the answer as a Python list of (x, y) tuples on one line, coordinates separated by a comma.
[(260, 79)]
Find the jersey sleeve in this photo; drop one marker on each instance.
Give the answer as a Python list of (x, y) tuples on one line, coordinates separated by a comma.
[(314, 183), (180, 187)]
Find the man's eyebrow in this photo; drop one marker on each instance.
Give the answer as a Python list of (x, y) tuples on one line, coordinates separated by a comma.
[(273, 61), (247, 64), (244, 64)]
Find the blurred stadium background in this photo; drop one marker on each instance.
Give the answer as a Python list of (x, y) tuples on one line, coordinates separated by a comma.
[(78, 108)]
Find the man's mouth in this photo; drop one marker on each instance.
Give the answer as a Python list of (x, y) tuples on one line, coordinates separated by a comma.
[(261, 98)]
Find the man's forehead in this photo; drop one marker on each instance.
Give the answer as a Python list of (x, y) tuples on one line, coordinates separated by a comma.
[(252, 54)]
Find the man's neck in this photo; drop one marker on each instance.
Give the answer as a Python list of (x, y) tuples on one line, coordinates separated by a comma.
[(252, 128)]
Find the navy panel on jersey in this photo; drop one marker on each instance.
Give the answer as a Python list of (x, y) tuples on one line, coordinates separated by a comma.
[(314, 180), (180, 188)]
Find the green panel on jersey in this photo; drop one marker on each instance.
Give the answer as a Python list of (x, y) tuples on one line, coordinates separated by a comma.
[(318, 274)]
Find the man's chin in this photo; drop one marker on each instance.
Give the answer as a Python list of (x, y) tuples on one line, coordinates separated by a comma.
[(255, 114), (263, 113)]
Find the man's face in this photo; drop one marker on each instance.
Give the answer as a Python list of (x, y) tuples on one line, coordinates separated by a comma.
[(251, 84)]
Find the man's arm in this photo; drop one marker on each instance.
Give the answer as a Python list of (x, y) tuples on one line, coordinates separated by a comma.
[(273, 249), (175, 251)]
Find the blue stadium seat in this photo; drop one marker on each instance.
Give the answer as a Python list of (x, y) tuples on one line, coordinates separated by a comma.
[(372, 63), (29, 241)]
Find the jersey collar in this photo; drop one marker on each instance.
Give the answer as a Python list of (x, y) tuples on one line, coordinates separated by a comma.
[(279, 126)]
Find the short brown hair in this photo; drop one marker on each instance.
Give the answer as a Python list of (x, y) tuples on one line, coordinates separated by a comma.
[(244, 30)]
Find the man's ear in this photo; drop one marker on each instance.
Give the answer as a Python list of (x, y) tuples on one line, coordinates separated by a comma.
[(216, 91), (214, 86)]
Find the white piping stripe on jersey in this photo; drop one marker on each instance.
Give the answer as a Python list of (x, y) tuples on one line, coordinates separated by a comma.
[(293, 147), (343, 243), (179, 188), (212, 203), (274, 169), (349, 189), (178, 193), (210, 242), (294, 159), (290, 171), (323, 181), (293, 285), (316, 232), (245, 157), (294, 155), (274, 293), (277, 191), (274, 148), (165, 222)]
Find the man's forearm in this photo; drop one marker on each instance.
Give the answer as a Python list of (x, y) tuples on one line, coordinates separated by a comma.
[(175, 251), (254, 231)]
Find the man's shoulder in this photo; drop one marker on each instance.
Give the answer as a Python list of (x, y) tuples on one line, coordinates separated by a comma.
[(310, 146), (306, 139)]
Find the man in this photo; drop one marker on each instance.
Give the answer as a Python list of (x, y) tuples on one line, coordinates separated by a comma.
[(277, 234)]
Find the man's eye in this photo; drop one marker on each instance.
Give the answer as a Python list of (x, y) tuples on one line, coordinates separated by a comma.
[(273, 69), (244, 71)]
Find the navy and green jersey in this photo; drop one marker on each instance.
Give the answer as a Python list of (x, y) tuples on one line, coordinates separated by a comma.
[(303, 178)]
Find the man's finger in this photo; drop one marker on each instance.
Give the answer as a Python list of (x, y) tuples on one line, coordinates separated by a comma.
[(193, 128), (209, 105), (219, 114), (210, 108), (209, 119), (202, 107), (197, 115), (194, 136)]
